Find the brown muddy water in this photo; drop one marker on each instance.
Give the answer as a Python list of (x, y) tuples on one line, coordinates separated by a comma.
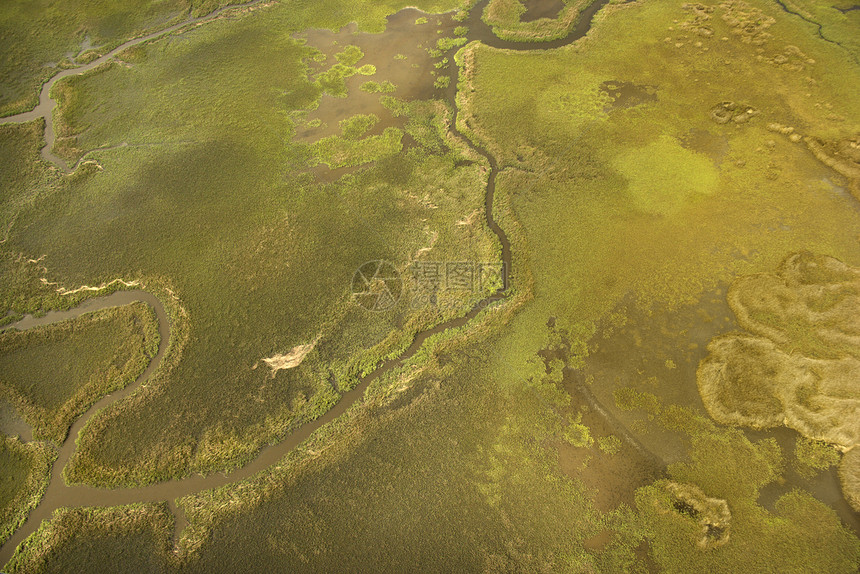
[(658, 352), (478, 30), (713, 145), (412, 81), (627, 94), (401, 56), (58, 494), (642, 346), (11, 424), (612, 477), (823, 485), (537, 9)]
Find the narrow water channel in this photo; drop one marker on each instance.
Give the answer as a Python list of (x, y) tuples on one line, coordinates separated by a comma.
[(45, 108), (59, 494)]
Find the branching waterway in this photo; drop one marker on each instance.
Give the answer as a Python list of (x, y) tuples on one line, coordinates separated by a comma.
[(45, 108), (58, 493)]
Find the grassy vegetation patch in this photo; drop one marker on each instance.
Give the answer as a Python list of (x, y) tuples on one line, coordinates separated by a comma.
[(133, 538), (803, 369), (26, 179), (356, 126), (42, 37), (23, 291), (333, 80), (726, 466), (662, 175), (808, 306), (22, 175), (628, 398), (348, 150), (349, 56), (609, 444), (577, 434), (445, 44), (706, 512), (849, 477), (24, 473), (504, 16), (54, 373), (442, 82), (838, 20), (384, 87), (578, 101), (812, 456)]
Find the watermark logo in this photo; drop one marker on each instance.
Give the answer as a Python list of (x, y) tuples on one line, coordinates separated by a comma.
[(377, 285)]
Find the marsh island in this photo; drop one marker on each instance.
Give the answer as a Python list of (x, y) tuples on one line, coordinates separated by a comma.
[(437, 285)]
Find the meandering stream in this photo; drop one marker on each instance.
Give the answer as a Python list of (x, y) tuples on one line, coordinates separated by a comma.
[(58, 493), (45, 108)]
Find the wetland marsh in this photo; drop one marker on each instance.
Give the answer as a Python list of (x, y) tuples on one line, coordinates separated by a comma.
[(198, 189)]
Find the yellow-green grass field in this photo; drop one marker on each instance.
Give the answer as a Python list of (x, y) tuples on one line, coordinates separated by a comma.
[(838, 20), (621, 194), (657, 198), (619, 180)]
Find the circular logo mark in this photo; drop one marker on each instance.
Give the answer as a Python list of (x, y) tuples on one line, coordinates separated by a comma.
[(376, 285)]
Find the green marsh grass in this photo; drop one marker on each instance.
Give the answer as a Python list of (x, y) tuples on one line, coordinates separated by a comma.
[(594, 229), (838, 21), (133, 538), (726, 465), (211, 195), (812, 456), (484, 409), (52, 374), (384, 87), (24, 473), (457, 413), (597, 226), (349, 150), (25, 179), (39, 38), (504, 17)]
